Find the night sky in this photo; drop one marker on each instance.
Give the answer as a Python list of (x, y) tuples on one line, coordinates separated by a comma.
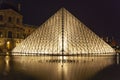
[(101, 16)]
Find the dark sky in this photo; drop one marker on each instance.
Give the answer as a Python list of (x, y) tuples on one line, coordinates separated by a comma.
[(102, 16)]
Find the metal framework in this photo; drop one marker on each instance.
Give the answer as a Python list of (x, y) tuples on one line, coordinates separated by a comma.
[(63, 34)]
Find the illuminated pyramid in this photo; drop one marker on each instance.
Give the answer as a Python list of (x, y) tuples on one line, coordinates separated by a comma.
[(63, 34)]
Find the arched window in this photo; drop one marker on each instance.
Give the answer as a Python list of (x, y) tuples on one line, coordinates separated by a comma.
[(9, 19), (1, 34), (1, 17), (18, 21), (18, 35), (9, 34), (24, 36)]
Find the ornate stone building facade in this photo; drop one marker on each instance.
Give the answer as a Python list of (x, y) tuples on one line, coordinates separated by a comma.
[(12, 29)]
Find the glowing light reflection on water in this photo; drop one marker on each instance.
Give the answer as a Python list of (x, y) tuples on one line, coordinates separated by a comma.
[(52, 67)]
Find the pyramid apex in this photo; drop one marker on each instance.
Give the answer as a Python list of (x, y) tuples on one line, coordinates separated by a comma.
[(63, 34), (63, 8)]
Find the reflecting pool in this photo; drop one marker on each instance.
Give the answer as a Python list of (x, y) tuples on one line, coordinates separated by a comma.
[(59, 68)]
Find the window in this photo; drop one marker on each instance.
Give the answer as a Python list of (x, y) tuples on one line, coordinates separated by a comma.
[(18, 20), (9, 34), (1, 35), (9, 19), (24, 36), (17, 35), (1, 17), (29, 31)]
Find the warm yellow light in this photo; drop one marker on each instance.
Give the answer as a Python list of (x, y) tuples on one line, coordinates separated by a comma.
[(63, 34), (7, 53), (60, 43), (8, 44), (65, 43), (7, 66), (1, 43)]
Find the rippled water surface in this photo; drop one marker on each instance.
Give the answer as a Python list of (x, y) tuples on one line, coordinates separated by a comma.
[(59, 68)]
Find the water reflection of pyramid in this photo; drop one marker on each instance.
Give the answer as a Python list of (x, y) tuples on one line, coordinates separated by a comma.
[(63, 34)]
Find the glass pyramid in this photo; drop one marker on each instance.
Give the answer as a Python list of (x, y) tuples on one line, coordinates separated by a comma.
[(63, 34)]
